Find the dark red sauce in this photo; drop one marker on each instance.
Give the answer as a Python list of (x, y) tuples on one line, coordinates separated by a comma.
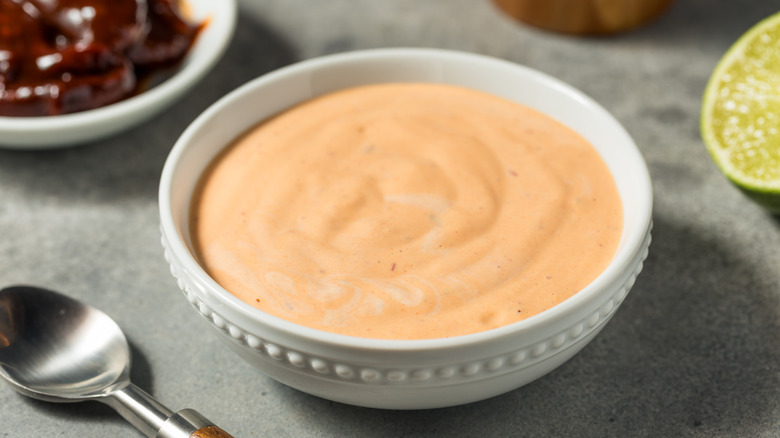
[(66, 56)]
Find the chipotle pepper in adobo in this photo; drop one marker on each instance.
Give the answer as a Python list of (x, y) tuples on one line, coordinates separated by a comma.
[(65, 56)]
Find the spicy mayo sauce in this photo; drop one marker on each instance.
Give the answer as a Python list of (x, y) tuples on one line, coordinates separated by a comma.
[(406, 211)]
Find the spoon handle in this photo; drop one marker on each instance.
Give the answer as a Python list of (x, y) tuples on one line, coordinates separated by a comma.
[(189, 423), (210, 432), (157, 421)]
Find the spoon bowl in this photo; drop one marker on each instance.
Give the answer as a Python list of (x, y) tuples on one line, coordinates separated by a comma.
[(60, 350), (57, 349)]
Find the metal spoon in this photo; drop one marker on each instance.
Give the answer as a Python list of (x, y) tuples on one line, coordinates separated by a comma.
[(57, 349)]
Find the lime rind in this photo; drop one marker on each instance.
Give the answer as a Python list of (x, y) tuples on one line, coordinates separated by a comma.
[(740, 120)]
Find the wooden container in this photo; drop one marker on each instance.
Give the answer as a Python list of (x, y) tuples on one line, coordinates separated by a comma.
[(584, 17)]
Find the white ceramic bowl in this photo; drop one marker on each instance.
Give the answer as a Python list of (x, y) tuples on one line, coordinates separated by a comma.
[(419, 373), (71, 129)]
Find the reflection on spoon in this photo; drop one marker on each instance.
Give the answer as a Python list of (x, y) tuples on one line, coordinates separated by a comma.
[(57, 349)]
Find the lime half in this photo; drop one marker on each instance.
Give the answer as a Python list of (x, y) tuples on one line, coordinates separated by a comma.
[(740, 119)]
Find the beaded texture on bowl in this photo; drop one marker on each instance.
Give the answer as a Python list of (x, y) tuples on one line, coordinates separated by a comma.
[(451, 373)]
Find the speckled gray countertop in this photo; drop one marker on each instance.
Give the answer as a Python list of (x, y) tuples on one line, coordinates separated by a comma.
[(693, 351)]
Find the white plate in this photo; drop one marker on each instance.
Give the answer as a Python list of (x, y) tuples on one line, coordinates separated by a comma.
[(71, 129)]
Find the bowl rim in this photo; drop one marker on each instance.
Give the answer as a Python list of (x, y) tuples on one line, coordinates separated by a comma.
[(622, 260), (220, 21)]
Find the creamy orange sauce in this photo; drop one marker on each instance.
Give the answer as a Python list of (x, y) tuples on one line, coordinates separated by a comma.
[(406, 211)]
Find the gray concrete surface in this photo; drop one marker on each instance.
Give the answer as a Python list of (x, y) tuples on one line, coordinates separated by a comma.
[(693, 352)]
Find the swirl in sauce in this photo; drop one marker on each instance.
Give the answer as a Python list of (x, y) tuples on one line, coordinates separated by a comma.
[(406, 211)]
